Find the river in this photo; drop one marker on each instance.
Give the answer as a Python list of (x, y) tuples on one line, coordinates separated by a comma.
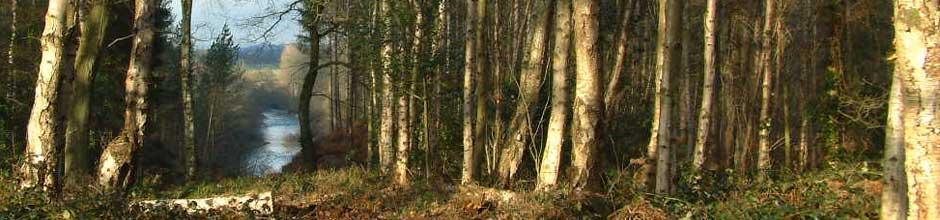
[(277, 150)]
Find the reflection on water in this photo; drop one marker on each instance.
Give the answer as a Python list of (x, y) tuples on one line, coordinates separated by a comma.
[(278, 151)]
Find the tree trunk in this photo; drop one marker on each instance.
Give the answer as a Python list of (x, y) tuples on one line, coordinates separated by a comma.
[(186, 82), (386, 136), (404, 141), (912, 129), (117, 160), (530, 83), (11, 50), (498, 64), (667, 63), (373, 95), (588, 101), (470, 170), (40, 167), (551, 157), (482, 77), (407, 103), (94, 26), (310, 80), (614, 86), (705, 115), (894, 197), (763, 154)]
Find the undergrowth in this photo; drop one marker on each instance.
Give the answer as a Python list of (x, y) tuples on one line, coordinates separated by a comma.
[(843, 190)]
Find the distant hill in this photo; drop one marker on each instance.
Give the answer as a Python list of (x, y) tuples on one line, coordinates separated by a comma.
[(261, 55)]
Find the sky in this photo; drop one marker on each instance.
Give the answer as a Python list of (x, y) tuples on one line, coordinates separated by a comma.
[(209, 16)]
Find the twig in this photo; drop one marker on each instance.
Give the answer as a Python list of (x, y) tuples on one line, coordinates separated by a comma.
[(121, 39)]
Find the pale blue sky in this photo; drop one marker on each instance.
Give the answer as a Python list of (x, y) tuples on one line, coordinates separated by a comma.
[(210, 15)]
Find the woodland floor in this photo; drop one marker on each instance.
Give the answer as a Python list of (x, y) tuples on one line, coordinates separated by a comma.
[(841, 191)]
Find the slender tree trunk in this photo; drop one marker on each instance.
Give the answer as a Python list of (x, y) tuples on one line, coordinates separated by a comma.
[(407, 103), (470, 170), (483, 81), (10, 70), (11, 50), (210, 137), (386, 136), (186, 83), (310, 80), (763, 154), (404, 141), (373, 95), (705, 115), (94, 26), (614, 85), (530, 83), (588, 100), (894, 197), (443, 53), (117, 160), (668, 63), (915, 94), (499, 72), (551, 157), (40, 167)]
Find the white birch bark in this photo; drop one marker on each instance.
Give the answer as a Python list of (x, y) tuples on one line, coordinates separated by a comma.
[(40, 166), (588, 100), (915, 94)]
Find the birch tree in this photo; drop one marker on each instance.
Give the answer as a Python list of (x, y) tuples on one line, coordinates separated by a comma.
[(763, 152), (530, 82), (471, 153), (667, 63), (186, 83), (912, 136), (116, 163), (386, 138), (588, 100), (39, 168), (551, 157), (705, 114)]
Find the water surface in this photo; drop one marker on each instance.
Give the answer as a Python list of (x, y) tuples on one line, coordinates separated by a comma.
[(278, 150)]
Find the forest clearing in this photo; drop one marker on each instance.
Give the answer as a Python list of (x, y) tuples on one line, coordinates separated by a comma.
[(469, 109)]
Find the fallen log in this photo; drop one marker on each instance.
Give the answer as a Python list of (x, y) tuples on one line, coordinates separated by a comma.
[(262, 203)]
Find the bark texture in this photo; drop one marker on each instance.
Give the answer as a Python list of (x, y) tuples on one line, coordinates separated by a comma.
[(551, 157), (766, 52), (470, 170), (186, 83), (39, 169), (117, 160), (387, 127), (588, 100), (530, 83), (667, 64), (914, 107), (708, 89)]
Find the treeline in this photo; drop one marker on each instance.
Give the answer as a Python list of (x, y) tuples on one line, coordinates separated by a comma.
[(534, 88), (682, 93)]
